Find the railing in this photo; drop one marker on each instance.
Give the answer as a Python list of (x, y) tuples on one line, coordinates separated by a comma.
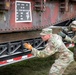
[(16, 47)]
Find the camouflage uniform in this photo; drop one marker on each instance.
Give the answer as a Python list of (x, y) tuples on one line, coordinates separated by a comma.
[(73, 25), (65, 36), (64, 33), (55, 44)]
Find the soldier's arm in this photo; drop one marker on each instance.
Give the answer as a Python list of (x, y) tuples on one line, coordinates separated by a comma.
[(43, 53), (67, 38), (64, 36)]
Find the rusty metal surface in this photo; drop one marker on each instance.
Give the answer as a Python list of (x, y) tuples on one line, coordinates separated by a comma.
[(18, 36), (40, 20), (8, 37), (50, 16)]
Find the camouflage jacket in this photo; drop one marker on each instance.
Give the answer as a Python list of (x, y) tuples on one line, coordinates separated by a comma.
[(55, 44), (65, 35)]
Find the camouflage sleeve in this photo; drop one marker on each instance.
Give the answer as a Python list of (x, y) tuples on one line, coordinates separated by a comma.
[(67, 38), (64, 36), (43, 53)]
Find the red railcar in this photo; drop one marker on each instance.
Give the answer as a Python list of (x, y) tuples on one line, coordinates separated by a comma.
[(23, 17)]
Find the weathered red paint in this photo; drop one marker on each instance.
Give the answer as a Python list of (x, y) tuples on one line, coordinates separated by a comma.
[(17, 58), (3, 62), (50, 16), (55, 13), (45, 17), (18, 26)]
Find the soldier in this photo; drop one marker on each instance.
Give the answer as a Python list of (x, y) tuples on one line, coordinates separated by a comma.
[(70, 28), (54, 44), (73, 28), (64, 34)]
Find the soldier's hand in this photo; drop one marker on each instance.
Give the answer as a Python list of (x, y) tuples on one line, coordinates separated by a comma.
[(28, 46)]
